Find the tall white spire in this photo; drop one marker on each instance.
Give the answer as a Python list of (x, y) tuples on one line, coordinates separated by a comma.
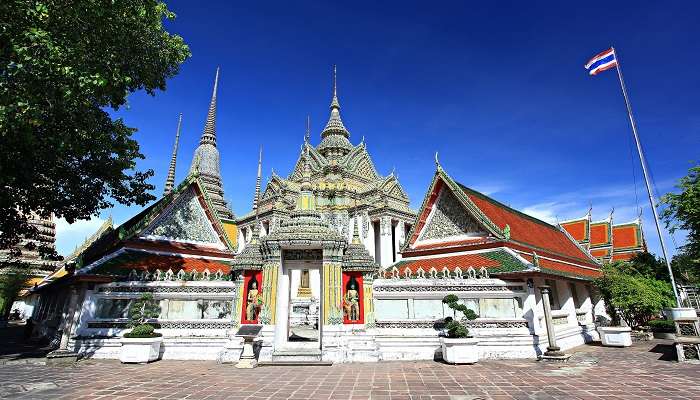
[(170, 180), (335, 136), (256, 199), (206, 163)]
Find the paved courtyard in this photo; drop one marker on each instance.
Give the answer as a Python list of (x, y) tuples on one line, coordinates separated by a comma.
[(641, 372)]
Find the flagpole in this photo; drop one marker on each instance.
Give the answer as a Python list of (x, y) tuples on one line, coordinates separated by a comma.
[(652, 203)]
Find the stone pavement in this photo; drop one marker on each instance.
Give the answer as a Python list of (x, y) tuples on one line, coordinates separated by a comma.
[(641, 372)]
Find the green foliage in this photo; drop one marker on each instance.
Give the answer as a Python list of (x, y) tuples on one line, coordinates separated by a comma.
[(61, 64), (631, 296), (142, 331), (681, 211), (12, 280), (662, 325), (142, 310), (455, 329)]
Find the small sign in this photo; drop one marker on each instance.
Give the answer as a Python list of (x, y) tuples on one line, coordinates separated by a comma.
[(249, 330)]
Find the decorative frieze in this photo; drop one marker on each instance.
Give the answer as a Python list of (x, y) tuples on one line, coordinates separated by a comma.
[(447, 288), (476, 324), (168, 289), (213, 324)]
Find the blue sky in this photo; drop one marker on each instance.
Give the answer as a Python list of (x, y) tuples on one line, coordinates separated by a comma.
[(498, 90)]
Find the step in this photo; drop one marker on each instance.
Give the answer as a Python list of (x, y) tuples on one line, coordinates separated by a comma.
[(296, 355), (293, 363)]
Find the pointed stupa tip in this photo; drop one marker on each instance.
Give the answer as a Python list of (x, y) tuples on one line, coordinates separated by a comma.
[(334, 102), (335, 126), (355, 232), (307, 133), (170, 180), (256, 198), (209, 134)]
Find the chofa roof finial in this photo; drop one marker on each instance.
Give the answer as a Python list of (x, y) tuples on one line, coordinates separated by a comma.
[(437, 162)]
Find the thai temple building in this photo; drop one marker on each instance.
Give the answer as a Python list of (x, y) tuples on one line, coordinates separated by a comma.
[(331, 262), (37, 266), (606, 241)]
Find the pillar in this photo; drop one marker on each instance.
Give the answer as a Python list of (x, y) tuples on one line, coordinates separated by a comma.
[(386, 253), (332, 293), (552, 350), (399, 238), (368, 298), (271, 273)]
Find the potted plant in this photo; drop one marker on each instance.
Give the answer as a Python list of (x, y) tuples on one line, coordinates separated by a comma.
[(142, 343), (458, 346), (663, 328)]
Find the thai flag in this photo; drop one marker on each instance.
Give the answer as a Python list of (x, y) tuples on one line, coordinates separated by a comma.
[(602, 62)]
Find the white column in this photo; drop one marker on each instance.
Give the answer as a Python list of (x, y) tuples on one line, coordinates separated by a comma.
[(385, 241), (531, 311), (399, 238), (282, 308), (367, 234)]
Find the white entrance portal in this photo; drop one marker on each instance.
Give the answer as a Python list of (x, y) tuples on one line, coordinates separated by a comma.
[(299, 304)]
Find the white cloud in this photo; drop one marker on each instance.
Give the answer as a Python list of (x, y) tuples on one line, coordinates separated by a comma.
[(69, 236)]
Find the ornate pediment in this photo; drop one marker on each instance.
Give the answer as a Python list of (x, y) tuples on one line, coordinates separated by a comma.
[(316, 162), (184, 220), (392, 188), (360, 164), (449, 219)]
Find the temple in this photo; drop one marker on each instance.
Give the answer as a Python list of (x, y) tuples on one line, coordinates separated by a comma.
[(606, 241), (331, 263)]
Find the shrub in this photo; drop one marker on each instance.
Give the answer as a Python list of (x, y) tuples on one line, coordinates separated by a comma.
[(662, 325), (455, 328), (140, 311), (142, 331), (631, 296)]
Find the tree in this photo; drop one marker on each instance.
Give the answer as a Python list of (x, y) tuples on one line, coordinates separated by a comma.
[(61, 65), (12, 281), (632, 296), (681, 211)]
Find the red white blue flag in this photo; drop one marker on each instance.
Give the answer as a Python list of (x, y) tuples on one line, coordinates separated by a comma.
[(601, 62)]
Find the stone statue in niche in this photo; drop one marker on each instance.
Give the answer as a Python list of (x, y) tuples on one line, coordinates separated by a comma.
[(351, 301), (254, 300)]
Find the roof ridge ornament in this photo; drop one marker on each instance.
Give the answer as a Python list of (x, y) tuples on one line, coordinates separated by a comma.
[(170, 180), (437, 162)]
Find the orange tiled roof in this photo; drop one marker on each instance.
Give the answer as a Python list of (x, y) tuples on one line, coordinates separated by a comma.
[(626, 236), (563, 268), (189, 264), (450, 262), (450, 243), (577, 229), (600, 233), (527, 229)]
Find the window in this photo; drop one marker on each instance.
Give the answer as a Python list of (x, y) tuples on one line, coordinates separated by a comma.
[(553, 294), (390, 309), (112, 308), (195, 309)]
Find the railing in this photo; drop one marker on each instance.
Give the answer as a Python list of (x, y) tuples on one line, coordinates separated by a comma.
[(691, 297), (582, 317)]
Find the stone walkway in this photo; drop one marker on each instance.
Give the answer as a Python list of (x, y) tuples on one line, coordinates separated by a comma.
[(641, 372)]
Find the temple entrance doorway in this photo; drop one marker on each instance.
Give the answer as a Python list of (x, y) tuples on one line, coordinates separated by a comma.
[(300, 322)]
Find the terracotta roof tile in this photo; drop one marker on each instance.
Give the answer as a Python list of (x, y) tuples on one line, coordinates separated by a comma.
[(526, 229), (577, 229), (600, 233), (562, 268), (626, 236)]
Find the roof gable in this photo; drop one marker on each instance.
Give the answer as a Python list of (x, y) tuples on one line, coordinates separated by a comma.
[(449, 221), (184, 220), (498, 221)]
